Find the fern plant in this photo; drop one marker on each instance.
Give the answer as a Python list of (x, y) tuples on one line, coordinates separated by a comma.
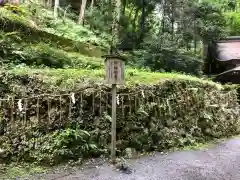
[(63, 145)]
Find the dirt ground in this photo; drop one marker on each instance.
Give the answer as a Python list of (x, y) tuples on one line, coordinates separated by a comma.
[(221, 162)]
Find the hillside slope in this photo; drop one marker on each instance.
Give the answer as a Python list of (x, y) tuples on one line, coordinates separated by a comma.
[(32, 37)]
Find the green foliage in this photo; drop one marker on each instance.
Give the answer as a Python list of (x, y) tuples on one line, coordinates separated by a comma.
[(10, 50), (171, 114), (170, 47), (66, 27), (17, 14), (212, 25), (99, 18), (71, 30), (163, 43), (169, 59), (14, 51), (63, 145), (42, 54), (15, 9), (38, 24), (11, 171), (180, 125), (233, 23), (32, 145)]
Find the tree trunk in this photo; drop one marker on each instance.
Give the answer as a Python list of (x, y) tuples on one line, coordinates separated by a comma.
[(143, 17), (163, 16), (124, 7), (172, 24), (115, 24), (56, 5), (142, 22), (135, 18), (91, 6), (195, 37), (82, 12), (49, 3), (118, 11)]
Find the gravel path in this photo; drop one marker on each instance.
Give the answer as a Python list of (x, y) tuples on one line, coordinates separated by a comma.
[(221, 162)]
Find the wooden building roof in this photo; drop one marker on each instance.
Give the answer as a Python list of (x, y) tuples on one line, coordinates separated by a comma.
[(228, 49), (231, 75)]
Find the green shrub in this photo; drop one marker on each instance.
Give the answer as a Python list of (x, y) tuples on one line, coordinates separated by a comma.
[(9, 48), (52, 148), (62, 145)]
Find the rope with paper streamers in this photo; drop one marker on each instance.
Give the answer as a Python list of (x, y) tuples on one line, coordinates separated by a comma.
[(22, 102), (52, 108), (131, 98), (72, 94), (55, 110)]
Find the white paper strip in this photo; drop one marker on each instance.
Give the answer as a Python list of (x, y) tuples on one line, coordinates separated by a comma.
[(117, 99), (143, 94), (73, 98), (20, 105)]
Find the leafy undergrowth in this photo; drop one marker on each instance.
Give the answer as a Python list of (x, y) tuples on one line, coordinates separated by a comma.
[(73, 31), (37, 17), (14, 170), (22, 170), (14, 50), (35, 24)]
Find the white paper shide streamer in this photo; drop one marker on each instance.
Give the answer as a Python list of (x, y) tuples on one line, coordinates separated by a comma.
[(143, 94), (117, 99), (73, 98), (20, 105)]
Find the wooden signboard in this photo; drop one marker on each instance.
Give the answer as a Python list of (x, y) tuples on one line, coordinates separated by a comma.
[(115, 69)]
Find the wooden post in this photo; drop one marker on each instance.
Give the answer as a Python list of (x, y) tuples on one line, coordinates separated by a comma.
[(114, 112), (115, 67)]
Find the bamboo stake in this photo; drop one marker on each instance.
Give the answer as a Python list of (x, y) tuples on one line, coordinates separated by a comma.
[(93, 103), (122, 102), (70, 109), (60, 108), (100, 103), (81, 105), (37, 110), (12, 109), (49, 111), (130, 105), (25, 111)]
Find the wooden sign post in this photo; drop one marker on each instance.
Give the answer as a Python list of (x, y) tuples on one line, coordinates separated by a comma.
[(115, 72)]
